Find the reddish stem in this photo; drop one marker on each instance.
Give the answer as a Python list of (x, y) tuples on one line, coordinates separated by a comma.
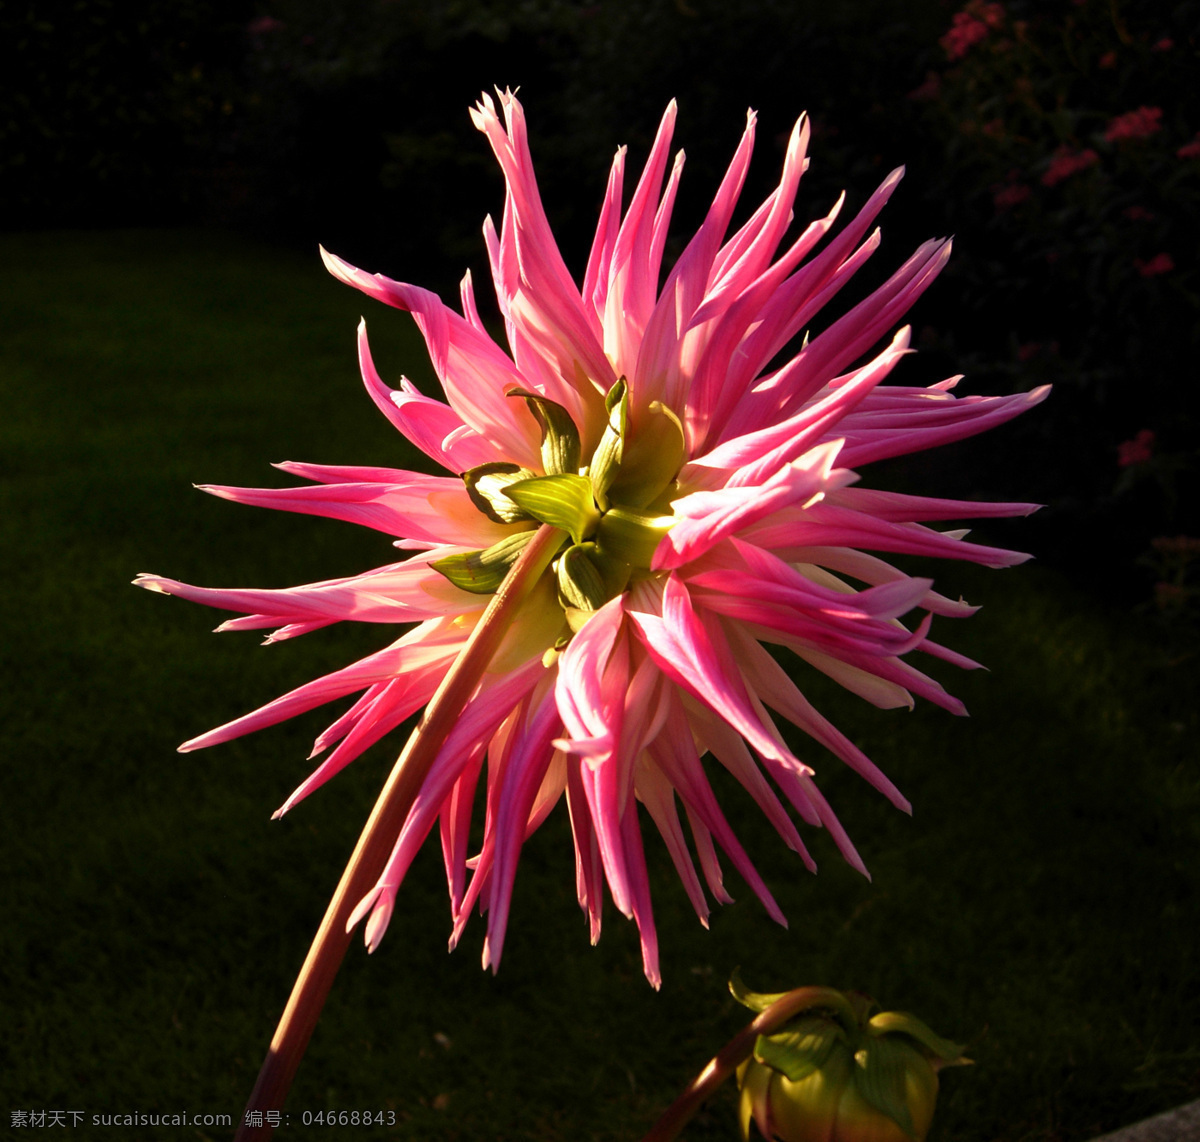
[(730, 1057), (379, 836)]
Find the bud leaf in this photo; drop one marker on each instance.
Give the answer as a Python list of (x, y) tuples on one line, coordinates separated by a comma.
[(606, 460), (751, 999), (563, 501), (881, 1078), (482, 572), (901, 1023), (632, 536), (803, 1048), (652, 457), (560, 437), (580, 583), (485, 485)]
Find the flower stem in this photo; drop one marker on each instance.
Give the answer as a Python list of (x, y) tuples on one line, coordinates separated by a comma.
[(379, 836), (729, 1058)]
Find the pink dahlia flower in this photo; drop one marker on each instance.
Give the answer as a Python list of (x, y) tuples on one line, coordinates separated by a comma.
[(1139, 124), (708, 505)]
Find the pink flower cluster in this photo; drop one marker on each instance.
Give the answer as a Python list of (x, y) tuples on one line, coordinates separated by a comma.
[(264, 25), (1159, 264), (1136, 451), (1190, 150), (1006, 197), (1066, 162), (1139, 124), (928, 90), (970, 26)]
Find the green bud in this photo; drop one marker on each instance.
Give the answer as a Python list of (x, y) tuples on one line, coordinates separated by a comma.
[(833, 1074), (486, 484), (563, 501), (560, 437), (482, 572)]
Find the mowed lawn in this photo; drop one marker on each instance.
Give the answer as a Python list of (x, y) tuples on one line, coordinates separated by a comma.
[(1040, 905)]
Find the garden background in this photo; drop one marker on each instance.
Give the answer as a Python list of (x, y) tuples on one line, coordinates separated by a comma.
[(166, 172)]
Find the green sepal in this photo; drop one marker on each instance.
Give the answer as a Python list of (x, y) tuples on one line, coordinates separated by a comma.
[(751, 999), (606, 461), (901, 1023), (580, 583), (881, 1074), (485, 484), (803, 1048), (632, 536), (616, 572), (652, 457), (560, 437), (823, 999), (482, 572), (563, 501)]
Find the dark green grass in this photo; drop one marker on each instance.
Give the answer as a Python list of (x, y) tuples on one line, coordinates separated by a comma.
[(1040, 904)]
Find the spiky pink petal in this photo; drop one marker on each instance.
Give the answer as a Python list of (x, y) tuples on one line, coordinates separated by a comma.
[(433, 508), (428, 648), (433, 427)]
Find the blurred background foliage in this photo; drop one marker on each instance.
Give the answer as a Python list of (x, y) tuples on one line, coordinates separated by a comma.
[(1059, 140)]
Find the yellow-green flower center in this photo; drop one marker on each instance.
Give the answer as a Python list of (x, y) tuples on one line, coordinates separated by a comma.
[(615, 508)]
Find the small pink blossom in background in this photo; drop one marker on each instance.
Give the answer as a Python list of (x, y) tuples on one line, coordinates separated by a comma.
[(1136, 451), (990, 14), (1176, 544), (929, 90), (1028, 350), (1164, 45), (1009, 196), (965, 32), (1107, 60), (970, 26), (1190, 150), (1139, 124), (1159, 264), (1138, 214), (263, 25), (734, 509), (1066, 162), (993, 128)]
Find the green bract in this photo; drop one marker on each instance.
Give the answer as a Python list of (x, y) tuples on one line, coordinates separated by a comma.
[(560, 437), (615, 508), (482, 572), (834, 1073)]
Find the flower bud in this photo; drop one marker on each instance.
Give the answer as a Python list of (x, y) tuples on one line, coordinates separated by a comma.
[(833, 1073)]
